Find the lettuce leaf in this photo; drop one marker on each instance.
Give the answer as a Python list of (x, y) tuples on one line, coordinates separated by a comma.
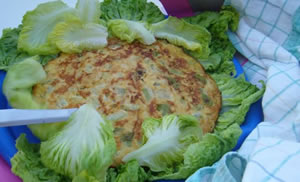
[(18, 83), (203, 153), (46, 130), (166, 141), (131, 30), (131, 171), (27, 164), (178, 32), (237, 97), (136, 10), (74, 36), (222, 50), (17, 86), (88, 10), (85, 145), (9, 53), (84, 177), (34, 35)]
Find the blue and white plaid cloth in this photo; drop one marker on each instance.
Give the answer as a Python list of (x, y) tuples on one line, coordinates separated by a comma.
[(269, 37)]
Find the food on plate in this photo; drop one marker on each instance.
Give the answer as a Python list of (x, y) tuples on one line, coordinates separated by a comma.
[(165, 89), (129, 83)]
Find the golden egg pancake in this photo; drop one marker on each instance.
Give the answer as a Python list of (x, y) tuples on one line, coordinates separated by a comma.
[(130, 82)]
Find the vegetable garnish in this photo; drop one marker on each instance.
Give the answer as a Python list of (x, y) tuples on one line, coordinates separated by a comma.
[(85, 146), (19, 81), (166, 141), (192, 37), (135, 10), (9, 53), (27, 164), (34, 34), (74, 36), (131, 30), (67, 29)]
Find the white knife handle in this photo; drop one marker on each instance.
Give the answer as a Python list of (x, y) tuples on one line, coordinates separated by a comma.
[(15, 117)]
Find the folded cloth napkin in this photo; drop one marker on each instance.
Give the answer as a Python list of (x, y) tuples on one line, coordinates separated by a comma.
[(269, 37), (230, 169)]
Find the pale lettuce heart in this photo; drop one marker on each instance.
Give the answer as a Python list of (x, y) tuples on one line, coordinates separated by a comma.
[(166, 141), (20, 79), (84, 147), (37, 25), (131, 30), (88, 10), (17, 87), (192, 37), (74, 36)]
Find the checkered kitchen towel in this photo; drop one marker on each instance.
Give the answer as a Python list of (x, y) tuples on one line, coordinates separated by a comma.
[(269, 37), (269, 32)]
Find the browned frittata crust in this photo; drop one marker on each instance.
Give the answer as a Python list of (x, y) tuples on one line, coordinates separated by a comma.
[(130, 82)]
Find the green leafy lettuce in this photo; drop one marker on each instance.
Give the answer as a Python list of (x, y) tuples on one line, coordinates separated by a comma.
[(9, 53), (135, 10), (166, 140), (130, 30), (237, 97), (203, 153), (81, 32), (19, 81), (194, 38), (131, 171), (34, 34), (84, 177), (84, 148), (74, 36), (221, 49), (17, 87), (88, 10), (67, 29), (27, 164)]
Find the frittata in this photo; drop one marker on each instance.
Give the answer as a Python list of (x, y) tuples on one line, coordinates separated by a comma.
[(130, 82)]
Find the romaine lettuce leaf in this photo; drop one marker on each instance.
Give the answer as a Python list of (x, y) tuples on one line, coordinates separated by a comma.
[(74, 36), (131, 171), (9, 53), (203, 153), (86, 143), (222, 50), (166, 140), (37, 25), (27, 164), (136, 10), (84, 177), (237, 97), (130, 31), (178, 32), (88, 10)]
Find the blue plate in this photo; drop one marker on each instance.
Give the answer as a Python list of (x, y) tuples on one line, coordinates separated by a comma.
[(8, 135)]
